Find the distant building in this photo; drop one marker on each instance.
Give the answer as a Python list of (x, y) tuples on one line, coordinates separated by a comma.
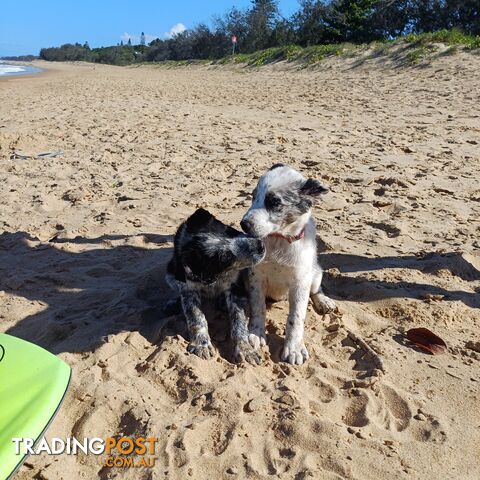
[(142, 39)]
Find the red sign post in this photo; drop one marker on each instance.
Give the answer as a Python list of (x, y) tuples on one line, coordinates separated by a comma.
[(234, 43)]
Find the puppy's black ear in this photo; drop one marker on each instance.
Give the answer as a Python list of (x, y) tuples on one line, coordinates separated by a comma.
[(313, 188), (276, 165), (198, 219)]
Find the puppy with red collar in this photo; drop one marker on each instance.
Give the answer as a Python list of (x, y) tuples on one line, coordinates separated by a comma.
[(281, 214)]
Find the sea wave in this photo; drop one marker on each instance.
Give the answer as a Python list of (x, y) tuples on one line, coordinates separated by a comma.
[(6, 69)]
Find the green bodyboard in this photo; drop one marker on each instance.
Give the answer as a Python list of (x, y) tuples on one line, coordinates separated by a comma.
[(33, 383)]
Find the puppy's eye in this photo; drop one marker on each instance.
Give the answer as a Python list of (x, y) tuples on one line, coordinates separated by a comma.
[(272, 202)]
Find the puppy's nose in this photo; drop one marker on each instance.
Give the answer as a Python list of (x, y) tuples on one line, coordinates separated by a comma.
[(246, 225)]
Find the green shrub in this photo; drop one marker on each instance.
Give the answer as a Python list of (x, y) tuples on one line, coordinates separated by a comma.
[(448, 37)]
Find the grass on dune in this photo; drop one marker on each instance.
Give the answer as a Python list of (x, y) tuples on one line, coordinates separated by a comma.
[(421, 45), (290, 53), (447, 37), (418, 48)]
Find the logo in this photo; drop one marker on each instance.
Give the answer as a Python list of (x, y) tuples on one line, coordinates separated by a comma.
[(122, 452)]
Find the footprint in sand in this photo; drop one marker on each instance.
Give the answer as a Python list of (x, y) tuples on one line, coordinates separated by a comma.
[(387, 411), (390, 411), (324, 391), (202, 437)]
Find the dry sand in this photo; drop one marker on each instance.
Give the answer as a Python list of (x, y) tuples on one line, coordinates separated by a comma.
[(85, 238)]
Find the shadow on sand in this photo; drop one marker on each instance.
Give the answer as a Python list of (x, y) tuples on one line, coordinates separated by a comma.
[(362, 289), (115, 283)]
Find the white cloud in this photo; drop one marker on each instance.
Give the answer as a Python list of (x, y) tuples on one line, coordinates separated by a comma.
[(175, 30), (135, 39), (125, 37), (150, 38)]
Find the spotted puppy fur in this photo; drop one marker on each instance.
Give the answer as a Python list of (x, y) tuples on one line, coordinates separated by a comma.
[(281, 214), (207, 262)]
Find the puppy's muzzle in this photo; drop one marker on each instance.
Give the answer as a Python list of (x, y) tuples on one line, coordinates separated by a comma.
[(247, 226), (256, 250)]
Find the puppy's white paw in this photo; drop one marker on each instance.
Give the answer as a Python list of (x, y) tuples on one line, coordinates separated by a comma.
[(323, 304), (257, 338), (295, 354)]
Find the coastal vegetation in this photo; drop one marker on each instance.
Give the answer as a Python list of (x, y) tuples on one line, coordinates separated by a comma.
[(319, 28)]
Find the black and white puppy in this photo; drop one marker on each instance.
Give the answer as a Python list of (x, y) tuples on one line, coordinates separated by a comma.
[(281, 215), (207, 261)]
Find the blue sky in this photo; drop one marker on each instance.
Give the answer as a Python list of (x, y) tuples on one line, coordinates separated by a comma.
[(28, 25)]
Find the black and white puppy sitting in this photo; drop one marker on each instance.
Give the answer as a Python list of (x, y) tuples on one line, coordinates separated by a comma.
[(281, 215), (207, 261)]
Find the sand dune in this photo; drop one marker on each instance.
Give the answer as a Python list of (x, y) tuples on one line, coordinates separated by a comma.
[(85, 238)]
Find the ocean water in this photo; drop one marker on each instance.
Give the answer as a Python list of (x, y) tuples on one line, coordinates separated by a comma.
[(7, 69)]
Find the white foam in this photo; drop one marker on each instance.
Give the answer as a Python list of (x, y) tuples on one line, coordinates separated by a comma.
[(6, 69)]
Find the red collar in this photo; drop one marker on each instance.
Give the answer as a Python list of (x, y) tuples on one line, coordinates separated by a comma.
[(289, 238)]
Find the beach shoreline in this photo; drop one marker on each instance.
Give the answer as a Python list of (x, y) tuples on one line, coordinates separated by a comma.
[(10, 68)]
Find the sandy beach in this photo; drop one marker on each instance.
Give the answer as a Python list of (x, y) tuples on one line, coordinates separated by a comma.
[(85, 237)]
